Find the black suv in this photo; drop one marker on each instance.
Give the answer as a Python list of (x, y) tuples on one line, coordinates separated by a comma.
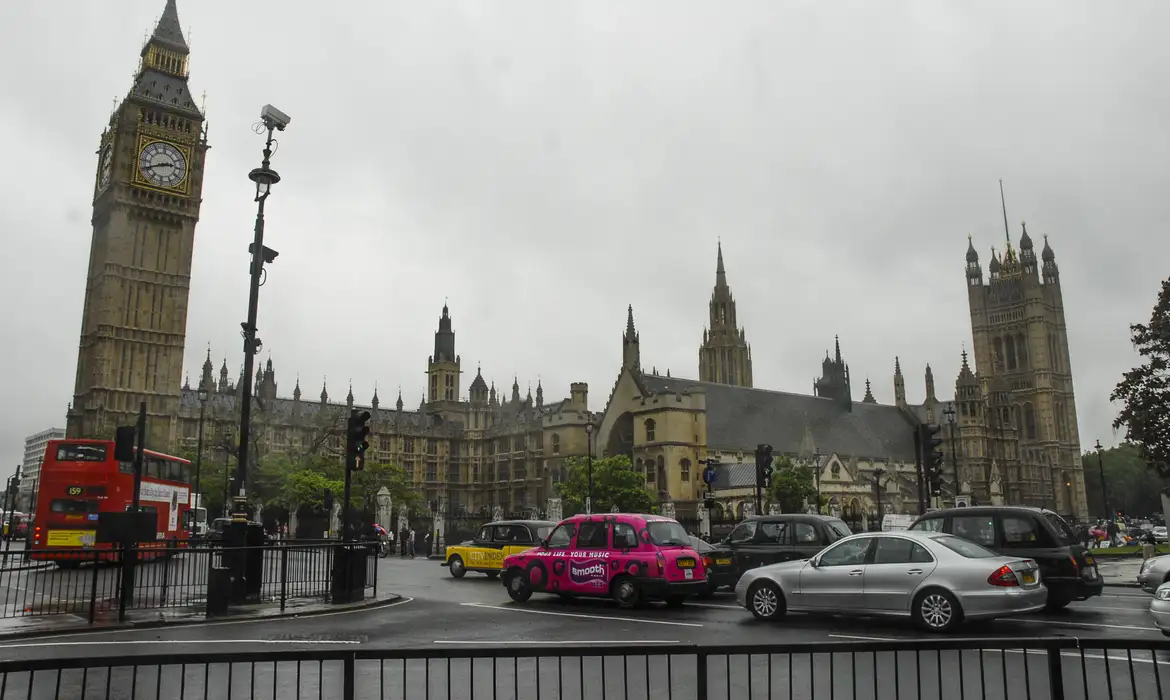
[(771, 539), (1069, 572)]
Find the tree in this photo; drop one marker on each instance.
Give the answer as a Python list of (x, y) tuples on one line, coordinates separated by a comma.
[(1145, 390), (1133, 487), (615, 482), (374, 476), (792, 486), (306, 487)]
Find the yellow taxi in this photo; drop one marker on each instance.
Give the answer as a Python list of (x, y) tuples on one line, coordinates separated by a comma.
[(495, 541)]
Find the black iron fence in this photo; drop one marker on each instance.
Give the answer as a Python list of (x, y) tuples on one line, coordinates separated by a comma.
[(927, 669), (90, 583)]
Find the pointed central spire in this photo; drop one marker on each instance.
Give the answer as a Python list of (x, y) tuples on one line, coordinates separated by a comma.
[(630, 331), (837, 343), (168, 30)]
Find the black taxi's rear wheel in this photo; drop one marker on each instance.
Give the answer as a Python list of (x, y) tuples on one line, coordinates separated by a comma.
[(519, 588), (457, 567)]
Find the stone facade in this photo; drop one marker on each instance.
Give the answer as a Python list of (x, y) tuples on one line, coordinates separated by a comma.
[(147, 192), (1026, 424), (473, 454), (671, 427)]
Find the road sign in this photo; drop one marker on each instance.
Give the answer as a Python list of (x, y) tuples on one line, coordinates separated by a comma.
[(709, 475)]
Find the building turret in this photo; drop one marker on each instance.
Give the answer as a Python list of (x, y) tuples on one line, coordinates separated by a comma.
[(539, 393), (868, 393), (930, 396), (834, 381), (207, 380), (899, 385), (725, 356), (516, 391), (631, 352), (398, 403), (374, 401), (479, 388), (223, 378), (297, 390), (349, 397), (443, 367), (324, 393)]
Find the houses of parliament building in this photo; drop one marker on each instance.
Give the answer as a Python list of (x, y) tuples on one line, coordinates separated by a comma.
[(1013, 438)]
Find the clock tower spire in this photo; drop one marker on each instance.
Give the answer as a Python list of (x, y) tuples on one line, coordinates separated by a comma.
[(147, 192)]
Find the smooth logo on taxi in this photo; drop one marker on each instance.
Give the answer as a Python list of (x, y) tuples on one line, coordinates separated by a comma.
[(587, 572)]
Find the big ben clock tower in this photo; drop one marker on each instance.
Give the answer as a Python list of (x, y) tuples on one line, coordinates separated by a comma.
[(146, 201)]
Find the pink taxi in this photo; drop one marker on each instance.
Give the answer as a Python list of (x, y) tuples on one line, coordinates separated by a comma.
[(627, 557)]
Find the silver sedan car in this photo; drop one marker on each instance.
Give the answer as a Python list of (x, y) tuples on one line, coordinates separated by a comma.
[(1160, 608), (1154, 572), (936, 579)]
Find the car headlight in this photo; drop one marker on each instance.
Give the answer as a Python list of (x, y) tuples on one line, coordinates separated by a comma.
[(1146, 565), (1162, 594)]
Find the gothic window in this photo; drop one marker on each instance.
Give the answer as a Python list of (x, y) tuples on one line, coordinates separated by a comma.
[(640, 468), (685, 469), (1010, 351), (556, 444), (835, 470), (649, 430), (1022, 350), (1029, 421), (997, 349), (661, 470)]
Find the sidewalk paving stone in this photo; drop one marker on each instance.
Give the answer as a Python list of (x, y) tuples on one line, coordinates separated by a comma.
[(42, 625)]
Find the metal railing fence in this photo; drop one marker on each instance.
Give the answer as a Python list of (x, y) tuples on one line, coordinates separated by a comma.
[(174, 576), (923, 669)]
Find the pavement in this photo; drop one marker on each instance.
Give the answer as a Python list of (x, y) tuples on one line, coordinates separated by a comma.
[(442, 616), (1120, 571)]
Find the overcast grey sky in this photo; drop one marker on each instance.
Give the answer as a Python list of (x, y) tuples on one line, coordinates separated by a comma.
[(543, 164)]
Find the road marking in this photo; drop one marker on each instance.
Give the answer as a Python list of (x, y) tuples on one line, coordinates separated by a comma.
[(521, 642), (1073, 654), (197, 625), (689, 604), (582, 615), (178, 641), (868, 639), (1076, 624)]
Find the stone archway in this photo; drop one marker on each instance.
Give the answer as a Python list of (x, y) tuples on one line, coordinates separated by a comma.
[(621, 437)]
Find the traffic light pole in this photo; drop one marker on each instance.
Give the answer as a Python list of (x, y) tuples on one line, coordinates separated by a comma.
[(918, 469)]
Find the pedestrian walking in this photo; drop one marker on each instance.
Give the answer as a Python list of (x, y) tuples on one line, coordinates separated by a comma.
[(1149, 546), (410, 543)]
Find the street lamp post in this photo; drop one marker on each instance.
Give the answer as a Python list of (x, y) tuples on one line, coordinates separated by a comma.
[(589, 466), (1104, 493), (198, 500), (878, 473), (271, 119), (817, 477), (949, 412)]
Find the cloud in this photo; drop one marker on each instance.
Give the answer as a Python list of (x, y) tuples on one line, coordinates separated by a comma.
[(541, 166)]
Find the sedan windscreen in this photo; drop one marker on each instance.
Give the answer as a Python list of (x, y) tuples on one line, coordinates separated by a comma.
[(667, 532)]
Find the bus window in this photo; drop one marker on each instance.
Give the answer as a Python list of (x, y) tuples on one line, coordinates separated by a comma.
[(126, 467), (77, 452), (73, 506)]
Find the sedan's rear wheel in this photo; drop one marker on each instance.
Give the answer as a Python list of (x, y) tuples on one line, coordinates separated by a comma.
[(937, 610), (766, 601), (457, 567)]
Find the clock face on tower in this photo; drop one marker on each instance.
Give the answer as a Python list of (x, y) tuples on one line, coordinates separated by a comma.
[(162, 164), (105, 167)]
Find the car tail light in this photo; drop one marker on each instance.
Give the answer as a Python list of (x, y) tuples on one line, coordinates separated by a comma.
[(706, 562), (1004, 577)]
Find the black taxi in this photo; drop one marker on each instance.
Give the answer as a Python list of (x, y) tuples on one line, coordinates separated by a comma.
[(770, 539)]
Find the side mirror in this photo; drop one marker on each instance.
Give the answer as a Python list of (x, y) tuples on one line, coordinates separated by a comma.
[(544, 544), (813, 562)]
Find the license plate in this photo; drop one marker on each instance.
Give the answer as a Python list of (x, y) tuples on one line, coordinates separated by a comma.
[(1089, 560), (69, 538), (722, 562), (686, 563), (1029, 578), (689, 574)]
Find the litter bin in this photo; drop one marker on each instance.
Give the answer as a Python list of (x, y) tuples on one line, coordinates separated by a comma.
[(349, 573), (219, 590)]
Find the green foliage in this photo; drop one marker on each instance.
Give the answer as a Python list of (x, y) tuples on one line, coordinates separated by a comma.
[(307, 487), (615, 482), (1145, 390), (373, 477), (793, 487), (1132, 486)]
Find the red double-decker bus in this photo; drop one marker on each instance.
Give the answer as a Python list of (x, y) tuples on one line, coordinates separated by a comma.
[(80, 480)]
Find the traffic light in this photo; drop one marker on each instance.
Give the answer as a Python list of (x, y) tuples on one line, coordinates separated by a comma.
[(763, 465), (355, 439), (932, 455)]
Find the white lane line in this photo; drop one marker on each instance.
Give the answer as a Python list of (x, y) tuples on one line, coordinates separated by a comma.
[(868, 639), (1077, 655), (689, 604), (179, 641), (582, 615), (521, 642), (200, 625), (1077, 624)]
